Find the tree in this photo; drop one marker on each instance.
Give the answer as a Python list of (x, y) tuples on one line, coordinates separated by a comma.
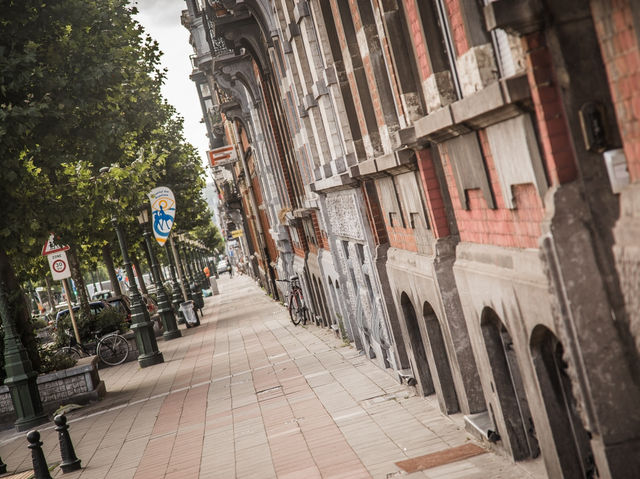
[(71, 73)]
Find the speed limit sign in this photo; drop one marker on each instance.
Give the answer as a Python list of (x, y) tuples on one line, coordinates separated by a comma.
[(59, 265)]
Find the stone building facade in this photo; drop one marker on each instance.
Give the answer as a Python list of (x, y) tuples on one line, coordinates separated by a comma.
[(455, 184)]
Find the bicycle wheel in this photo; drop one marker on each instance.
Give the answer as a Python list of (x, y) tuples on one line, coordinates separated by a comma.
[(68, 351), (296, 307), (113, 350)]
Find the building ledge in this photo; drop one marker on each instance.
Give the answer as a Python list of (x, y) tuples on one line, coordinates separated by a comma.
[(333, 182), (391, 163), (497, 102)]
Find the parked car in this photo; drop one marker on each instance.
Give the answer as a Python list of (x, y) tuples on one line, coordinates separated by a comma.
[(123, 304), (96, 308), (102, 295), (223, 266)]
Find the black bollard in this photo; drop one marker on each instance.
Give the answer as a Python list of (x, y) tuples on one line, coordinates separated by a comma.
[(69, 460), (40, 468), (3, 467)]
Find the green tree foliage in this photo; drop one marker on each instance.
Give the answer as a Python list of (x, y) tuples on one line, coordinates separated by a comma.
[(80, 91)]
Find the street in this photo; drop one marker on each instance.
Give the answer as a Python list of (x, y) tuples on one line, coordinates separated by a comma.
[(247, 394)]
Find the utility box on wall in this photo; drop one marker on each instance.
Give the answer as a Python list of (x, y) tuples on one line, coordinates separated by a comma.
[(616, 164)]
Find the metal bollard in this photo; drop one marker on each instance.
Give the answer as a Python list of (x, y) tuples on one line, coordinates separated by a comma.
[(3, 467), (70, 461), (40, 468)]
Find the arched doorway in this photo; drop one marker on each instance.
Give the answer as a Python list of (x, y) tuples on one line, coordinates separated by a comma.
[(570, 437), (519, 436), (419, 357), (447, 397)]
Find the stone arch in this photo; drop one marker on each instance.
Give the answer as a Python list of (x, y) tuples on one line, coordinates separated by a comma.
[(445, 388), (571, 439), (516, 429), (418, 356)]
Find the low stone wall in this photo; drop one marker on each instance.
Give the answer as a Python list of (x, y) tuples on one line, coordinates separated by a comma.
[(79, 384)]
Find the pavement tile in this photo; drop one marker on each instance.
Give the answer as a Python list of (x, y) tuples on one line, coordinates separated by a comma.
[(249, 395)]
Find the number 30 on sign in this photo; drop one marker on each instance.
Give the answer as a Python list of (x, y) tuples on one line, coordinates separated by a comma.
[(59, 265)]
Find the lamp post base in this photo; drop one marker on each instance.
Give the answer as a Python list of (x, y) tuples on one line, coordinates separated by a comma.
[(169, 335), (28, 423), (145, 360)]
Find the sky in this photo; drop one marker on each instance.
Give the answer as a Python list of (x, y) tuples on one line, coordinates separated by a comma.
[(161, 20)]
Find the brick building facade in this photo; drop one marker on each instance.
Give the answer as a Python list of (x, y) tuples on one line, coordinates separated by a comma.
[(448, 179)]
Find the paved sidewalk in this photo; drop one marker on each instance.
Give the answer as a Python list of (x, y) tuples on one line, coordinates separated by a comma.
[(248, 394)]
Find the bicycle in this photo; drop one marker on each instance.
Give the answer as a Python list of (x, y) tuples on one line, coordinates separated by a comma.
[(112, 348), (295, 301)]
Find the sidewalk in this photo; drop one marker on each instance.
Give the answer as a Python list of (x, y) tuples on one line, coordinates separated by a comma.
[(248, 394)]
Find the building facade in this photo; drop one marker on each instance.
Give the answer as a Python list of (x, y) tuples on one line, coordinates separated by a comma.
[(455, 184)]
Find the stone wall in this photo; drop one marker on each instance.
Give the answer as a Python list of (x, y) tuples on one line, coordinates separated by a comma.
[(78, 384)]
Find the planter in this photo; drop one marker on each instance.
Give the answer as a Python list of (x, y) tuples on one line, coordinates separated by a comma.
[(79, 384)]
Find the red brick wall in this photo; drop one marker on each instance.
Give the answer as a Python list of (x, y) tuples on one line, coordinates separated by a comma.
[(621, 55), (321, 236), (417, 38), (519, 228), (552, 127), (366, 61), (352, 82), (433, 194), (393, 78), (374, 213), (456, 22)]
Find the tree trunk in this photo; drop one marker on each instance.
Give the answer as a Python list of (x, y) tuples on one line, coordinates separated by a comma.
[(111, 270), (138, 272), (78, 279), (18, 308)]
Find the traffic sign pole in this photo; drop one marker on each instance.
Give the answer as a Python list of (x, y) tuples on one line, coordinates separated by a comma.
[(71, 313)]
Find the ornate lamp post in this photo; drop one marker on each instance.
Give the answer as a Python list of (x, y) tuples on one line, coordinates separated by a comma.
[(180, 266), (167, 317), (176, 293), (21, 378), (196, 292), (140, 322)]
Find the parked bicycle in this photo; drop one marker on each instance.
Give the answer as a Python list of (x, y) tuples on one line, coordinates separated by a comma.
[(112, 348), (298, 310)]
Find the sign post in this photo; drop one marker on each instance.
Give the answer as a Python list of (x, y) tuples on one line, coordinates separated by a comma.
[(76, 332), (60, 270)]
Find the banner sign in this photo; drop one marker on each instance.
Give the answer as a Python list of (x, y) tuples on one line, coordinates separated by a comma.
[(163, 211), (222, 156), (59, 265)]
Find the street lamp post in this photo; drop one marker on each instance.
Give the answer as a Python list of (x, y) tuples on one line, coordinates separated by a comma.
[(176, 293), (21, 378), (167, 317), (140, 322), (196, 292), (180, 265)]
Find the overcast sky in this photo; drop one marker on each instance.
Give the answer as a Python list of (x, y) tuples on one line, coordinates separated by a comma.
[(161, 19)]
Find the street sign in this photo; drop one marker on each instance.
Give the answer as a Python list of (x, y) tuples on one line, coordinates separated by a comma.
[(222, 156), (236, 233), (51, 247), (163, 209), (59, 265)]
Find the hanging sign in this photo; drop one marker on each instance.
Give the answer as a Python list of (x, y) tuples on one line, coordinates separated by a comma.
[(222, 156), (51, 247), (163, 211), (59, 265)]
